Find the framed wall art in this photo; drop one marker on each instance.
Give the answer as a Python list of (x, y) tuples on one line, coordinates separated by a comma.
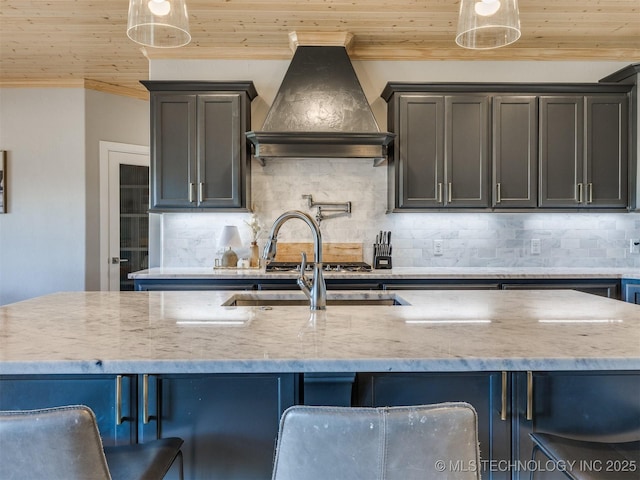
[(3, 181)]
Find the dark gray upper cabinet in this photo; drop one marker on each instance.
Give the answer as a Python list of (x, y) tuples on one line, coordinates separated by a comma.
[(584, 151), (200, 158), (515, 151), (508, 146), (607, 146), (420, 151), (467, 151), (440, 158)]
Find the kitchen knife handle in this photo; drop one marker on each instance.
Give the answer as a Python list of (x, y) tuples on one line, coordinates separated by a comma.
[(449, 194), (439, 192)]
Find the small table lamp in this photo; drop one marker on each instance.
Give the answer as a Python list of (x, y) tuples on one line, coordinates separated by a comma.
[(229, 239)]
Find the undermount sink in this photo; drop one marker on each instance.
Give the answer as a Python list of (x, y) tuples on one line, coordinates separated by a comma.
[(294, 299)]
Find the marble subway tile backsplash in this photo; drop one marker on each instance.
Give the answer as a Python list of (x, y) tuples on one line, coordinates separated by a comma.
[(483, 239)]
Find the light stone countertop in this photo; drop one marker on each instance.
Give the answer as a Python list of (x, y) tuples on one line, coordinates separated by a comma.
[(397, 273), (191, 332)]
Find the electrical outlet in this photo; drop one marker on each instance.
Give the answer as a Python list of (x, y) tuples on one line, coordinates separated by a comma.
[(438, 247), (634, 245), (535, 246)]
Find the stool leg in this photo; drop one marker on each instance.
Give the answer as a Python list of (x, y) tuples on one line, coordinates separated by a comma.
[(181, 465), (533, 458)]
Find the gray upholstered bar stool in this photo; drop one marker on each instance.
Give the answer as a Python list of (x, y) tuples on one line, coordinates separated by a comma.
[(582, 460), (63, 443), (437, 442)]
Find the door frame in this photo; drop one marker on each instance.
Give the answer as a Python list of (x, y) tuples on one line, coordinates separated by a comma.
[(106, 148)]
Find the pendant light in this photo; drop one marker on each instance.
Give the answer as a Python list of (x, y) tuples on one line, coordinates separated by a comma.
[(158, 23), (486, 24)]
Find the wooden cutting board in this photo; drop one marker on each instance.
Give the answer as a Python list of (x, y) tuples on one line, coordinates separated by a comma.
[(331, 252)]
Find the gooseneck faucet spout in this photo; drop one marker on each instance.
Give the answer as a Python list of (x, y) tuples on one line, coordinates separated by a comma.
[(315, 289)]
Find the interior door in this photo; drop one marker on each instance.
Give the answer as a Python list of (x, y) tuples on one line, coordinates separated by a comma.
[(124, 218), (128, 217)]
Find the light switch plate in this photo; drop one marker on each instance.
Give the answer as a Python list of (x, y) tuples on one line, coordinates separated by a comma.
[(634, 245)]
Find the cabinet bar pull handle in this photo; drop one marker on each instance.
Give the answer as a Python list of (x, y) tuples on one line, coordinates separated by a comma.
[(498, 193), (439, 192), (145, 398), (590, 192), (529, 395), (449, 193), (118, 399), (580, 193), (503, 409), (200, 192), (191, 185)]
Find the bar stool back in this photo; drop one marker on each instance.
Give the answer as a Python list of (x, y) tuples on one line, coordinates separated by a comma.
[(64, 443), (437, 442)]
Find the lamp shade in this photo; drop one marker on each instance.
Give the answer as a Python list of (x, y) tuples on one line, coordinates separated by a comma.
[(485, 24), (230, 237), (158, 23)]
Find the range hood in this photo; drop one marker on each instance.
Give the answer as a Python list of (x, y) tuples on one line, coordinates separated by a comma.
[(320, 111)]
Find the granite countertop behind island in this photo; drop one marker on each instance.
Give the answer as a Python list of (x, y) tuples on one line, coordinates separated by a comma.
[(192, 332), (461, 273)]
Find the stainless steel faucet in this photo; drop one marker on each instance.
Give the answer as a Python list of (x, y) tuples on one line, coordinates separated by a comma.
[(315, 289)]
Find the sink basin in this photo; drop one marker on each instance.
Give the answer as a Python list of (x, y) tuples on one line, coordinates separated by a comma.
[(294, 299)]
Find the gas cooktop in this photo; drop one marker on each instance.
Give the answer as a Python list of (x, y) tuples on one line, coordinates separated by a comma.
[(326, 266)]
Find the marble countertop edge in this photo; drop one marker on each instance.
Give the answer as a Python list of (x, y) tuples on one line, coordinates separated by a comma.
[(249, 366)]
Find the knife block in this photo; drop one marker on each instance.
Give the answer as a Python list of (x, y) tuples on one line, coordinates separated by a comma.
[(382, 261)]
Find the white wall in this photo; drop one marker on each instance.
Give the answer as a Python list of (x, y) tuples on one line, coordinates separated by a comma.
[(484, 239), (42, 237), (49, 239)]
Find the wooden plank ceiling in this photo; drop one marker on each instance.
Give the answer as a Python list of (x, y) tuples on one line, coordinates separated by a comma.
[(72, 42)]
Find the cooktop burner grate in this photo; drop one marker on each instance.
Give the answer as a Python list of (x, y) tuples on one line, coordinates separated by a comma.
[(326, 266)]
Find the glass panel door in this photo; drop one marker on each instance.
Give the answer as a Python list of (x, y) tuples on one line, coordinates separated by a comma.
[(134, 221)]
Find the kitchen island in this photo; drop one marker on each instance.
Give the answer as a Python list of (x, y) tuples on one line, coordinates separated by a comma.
[(182, 363)]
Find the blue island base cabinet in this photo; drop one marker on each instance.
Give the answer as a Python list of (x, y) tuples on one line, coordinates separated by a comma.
[(229, 422), (591, 406)]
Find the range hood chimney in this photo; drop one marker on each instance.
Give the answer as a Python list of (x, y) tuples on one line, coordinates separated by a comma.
[(320, 110)]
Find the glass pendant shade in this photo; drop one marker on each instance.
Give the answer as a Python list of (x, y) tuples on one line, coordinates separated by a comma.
[(485, 24), (158, 23)]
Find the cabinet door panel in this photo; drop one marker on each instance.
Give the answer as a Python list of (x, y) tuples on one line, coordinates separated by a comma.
[(561, 151), (607, 119), (515, 152), (96, 392), (466, 154), (173, 157), (482, 390), (229, 422), (219, 164), (421, 151), (597, 406), (631, 289)]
